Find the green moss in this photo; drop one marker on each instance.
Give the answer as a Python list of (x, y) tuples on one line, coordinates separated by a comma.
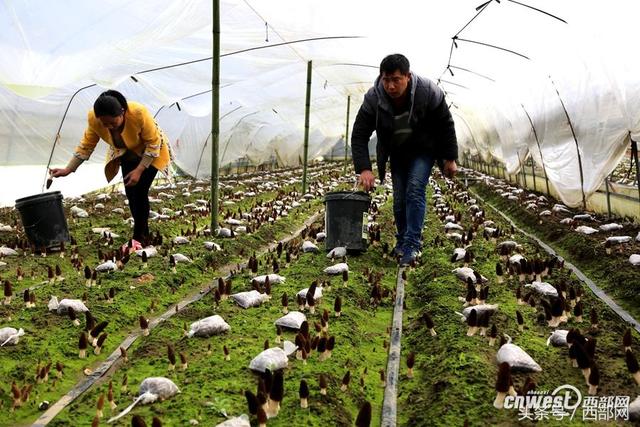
[(211, 386), (612, 273), (51, 338), (455, 374)]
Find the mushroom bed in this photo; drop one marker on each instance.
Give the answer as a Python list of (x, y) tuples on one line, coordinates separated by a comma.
[(202, 363), (212, 373), (456, 375)]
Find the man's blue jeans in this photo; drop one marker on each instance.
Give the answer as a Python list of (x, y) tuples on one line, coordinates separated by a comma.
[(410, 179)]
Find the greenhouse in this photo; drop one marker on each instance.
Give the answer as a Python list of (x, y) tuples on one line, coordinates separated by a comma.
[(298, 213)]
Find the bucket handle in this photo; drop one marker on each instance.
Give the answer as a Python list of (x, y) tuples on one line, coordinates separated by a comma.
[(353, 190)]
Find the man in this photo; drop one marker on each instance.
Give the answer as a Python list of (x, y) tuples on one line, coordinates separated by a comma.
[(414, 128)]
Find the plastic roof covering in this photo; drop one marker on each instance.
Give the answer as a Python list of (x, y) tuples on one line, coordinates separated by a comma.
[(52, 49)]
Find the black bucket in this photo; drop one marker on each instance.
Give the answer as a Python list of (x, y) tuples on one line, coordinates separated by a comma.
[(345, 220), (43, 219)]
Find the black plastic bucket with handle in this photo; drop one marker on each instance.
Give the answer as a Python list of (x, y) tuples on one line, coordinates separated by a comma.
[(345, 220), (43, 219)]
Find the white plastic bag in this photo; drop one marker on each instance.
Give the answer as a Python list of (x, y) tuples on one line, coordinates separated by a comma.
[(151, 389), (316, 296), (463, 273), (458, 254), (150, 250), (586, 229), (274, 279), (453, 226), (107, 266), (212, 246), (517, 358), (307, 246), (223, 232), (337, 252), (289, 348), (480, 309), (337, 268), (292, 320), (543, 288), (610, 227), (558, 338), (10, 336), (619, 239), (516, 259), (249, 299), (272, 359), (79, 213), (208, 326), (63, 306), (4, 251), (241, 421), (181, 258)]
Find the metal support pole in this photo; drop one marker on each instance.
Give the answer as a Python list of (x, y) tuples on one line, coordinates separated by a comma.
[(634, 153), (215, 113), (518, 174), (307, 109), (346, 135), (535, 135), (606, 186), (533, 172)]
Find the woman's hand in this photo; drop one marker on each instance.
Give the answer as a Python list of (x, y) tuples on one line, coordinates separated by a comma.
[(59, 172), (133, 177)]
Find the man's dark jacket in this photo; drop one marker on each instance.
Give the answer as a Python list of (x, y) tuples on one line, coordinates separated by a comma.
[(433, 131)]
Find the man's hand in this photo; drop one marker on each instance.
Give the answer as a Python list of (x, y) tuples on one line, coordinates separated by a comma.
[(367, 180), (133, 177), (450, 168), (59, 172)]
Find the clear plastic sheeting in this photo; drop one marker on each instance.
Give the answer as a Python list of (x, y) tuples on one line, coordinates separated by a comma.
[(521, 84)]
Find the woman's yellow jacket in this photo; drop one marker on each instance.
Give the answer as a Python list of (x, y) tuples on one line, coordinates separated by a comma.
[(141, 134)]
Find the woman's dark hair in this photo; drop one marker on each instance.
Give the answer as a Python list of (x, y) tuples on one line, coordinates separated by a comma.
[(394, 62), (110, 103)]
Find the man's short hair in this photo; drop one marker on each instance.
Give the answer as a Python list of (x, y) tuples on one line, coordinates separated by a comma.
[(394, 62)]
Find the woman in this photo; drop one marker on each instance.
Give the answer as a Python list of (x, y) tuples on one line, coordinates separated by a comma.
[(136, 144)]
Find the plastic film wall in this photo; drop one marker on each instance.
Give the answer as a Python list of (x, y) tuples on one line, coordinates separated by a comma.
[(553, 81)]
